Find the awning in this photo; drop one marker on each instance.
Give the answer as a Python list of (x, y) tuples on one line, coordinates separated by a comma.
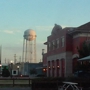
[(45, 43), (85, 58)]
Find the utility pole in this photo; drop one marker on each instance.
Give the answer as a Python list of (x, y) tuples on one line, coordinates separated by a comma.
[(5, 60)]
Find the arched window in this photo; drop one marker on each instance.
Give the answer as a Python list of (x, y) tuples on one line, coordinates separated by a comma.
[(62, 41), (57, 43)]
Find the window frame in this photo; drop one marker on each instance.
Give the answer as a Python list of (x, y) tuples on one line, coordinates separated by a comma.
[(58, 42), (62, 41), (49, 46)]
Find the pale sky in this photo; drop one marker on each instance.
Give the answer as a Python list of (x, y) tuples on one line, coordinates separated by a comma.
[(16, 16)]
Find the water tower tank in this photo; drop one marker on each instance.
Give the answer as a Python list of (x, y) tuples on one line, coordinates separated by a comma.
[(29, 46), (29, 34)]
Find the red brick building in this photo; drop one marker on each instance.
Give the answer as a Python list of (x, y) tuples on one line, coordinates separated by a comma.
[(61, 56)]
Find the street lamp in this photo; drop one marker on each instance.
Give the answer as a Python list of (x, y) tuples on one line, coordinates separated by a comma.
[(0, 65), (18, 70), (0, 69), (11, 63)]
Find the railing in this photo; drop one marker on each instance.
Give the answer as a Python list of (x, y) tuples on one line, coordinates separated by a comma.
[(16, 82)]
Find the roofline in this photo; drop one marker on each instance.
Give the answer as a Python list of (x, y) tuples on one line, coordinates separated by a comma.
[(83, 25), (78, 31)]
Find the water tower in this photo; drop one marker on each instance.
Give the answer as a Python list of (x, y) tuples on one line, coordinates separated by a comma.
[(29, 46)]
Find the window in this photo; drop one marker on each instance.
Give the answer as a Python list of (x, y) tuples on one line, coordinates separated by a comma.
[(53, 45), (62, 41), (14, 72), (57, 43), (49, 46)]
